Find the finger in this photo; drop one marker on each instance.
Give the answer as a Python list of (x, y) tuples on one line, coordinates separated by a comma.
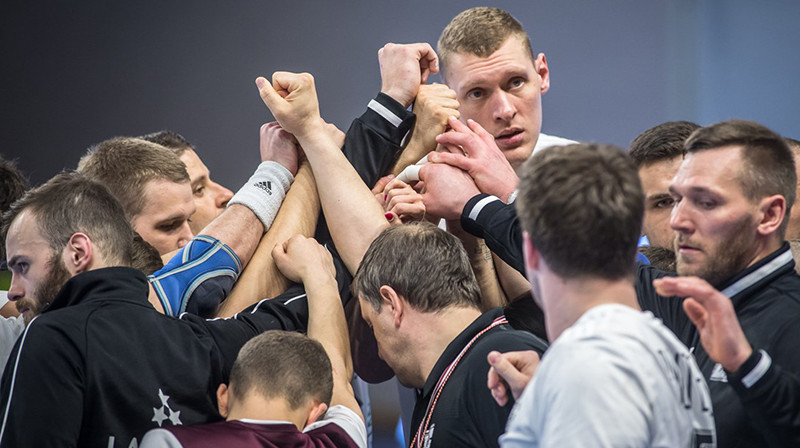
[(395, 184), (697, 314), (508, 371), (458, 126), (497, 387), (480, 131), (456, 160), (453, 149), (413, 210), (685, 287), (268, 94), (426, 53), (381, 184), (464, 140)]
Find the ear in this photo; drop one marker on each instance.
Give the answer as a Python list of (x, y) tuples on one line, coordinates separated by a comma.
[(540, 64), (222, 400), (394, 303), (772, 212), (315, 413), (79, 253), (530, 253)]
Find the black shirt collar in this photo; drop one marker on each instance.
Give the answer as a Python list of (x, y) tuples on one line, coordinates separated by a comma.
[(106, 283), (454, 348), (756, 276)]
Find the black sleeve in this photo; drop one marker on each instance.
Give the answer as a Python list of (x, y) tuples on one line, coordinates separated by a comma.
[(486, 415), (770, 392), (288, 311), (668, 309), (376, 138), (42, 390), (487, 217)]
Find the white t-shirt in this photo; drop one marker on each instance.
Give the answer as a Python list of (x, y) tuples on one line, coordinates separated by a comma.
[(616, 378), (10, 329), (546, 141)]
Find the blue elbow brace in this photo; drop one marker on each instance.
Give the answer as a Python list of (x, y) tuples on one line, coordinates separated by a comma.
[(197, 278)]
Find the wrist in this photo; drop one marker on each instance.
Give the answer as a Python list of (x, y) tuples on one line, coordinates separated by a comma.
[(398, 95), (736, 362)]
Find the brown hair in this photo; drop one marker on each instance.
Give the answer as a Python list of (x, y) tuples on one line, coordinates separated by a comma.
[(283, 364), (168, 139), (425, 265), (661, 142), (125, 165), (70, 203), (582, 206), (768, 167), (480, 31)]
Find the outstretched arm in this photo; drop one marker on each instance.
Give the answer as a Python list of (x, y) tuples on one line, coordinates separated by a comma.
[(354, 217), (303, 260), (768, 389)]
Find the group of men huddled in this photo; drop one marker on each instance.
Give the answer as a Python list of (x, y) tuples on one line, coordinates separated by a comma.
[(533, 320)]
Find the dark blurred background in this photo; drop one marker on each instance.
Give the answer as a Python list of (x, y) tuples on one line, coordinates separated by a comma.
[(75, 73)]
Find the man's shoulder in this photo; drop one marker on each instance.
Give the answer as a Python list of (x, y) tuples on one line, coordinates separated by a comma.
[(547, 140)]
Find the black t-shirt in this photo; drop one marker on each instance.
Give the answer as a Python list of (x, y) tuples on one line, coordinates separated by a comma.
[(466, 414)]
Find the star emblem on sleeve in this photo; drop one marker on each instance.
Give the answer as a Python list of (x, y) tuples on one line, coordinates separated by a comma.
[(165, 412)]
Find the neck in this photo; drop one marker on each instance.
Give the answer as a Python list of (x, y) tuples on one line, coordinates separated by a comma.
[(440, 328), (256, 407), (764, 248), (566, 300)]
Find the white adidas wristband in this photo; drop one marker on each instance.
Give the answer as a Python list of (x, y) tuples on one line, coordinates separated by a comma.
[(264, 191)]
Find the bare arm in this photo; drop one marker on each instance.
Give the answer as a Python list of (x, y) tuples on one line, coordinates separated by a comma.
[(297, 216), (434, 104), (354, 217), (304, 260)]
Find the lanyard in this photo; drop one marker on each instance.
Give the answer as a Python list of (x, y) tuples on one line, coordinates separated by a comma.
[(416, 442)]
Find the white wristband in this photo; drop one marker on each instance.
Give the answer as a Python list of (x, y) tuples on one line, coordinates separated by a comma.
[(264, 191)]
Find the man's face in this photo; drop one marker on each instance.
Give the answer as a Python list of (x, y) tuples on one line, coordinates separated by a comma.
[(502, 93), (391, 347), (164, 220), (656, 177), (793, 226), (37, 273), (210, 198), (714, 223)]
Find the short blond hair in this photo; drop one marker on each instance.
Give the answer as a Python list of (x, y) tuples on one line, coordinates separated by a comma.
[(125, 165), (480, 31)]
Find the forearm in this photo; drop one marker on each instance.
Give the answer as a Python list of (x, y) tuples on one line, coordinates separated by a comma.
[(480, 257), (262, 279), (771, 396), (353, 215), (417, 149), (327, 324)]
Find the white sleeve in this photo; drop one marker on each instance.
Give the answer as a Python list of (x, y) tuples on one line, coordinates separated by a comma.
[(3, 298), (581, 397), (160, 438), (345, 418), (10, 329)]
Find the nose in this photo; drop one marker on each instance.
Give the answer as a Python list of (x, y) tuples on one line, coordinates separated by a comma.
[(15, 291), (679, 219), (504, 109), (223, 196), (185, 236)]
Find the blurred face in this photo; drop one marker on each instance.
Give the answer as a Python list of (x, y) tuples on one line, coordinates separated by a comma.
[(37, 273), (210, 198), (714, 223), (656, 177), (793, 226), (164, 220), (502, 92), (391, 346)]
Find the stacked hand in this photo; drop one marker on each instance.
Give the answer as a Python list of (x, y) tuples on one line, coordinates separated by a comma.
[(302, 259), (404, 68), (399, 199)]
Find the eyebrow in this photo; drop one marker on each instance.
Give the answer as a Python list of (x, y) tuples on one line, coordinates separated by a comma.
[(198, 181), (14, 260)]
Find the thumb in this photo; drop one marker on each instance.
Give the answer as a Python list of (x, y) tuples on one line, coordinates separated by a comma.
[(506, 370), (269, 96), (697, 314)]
